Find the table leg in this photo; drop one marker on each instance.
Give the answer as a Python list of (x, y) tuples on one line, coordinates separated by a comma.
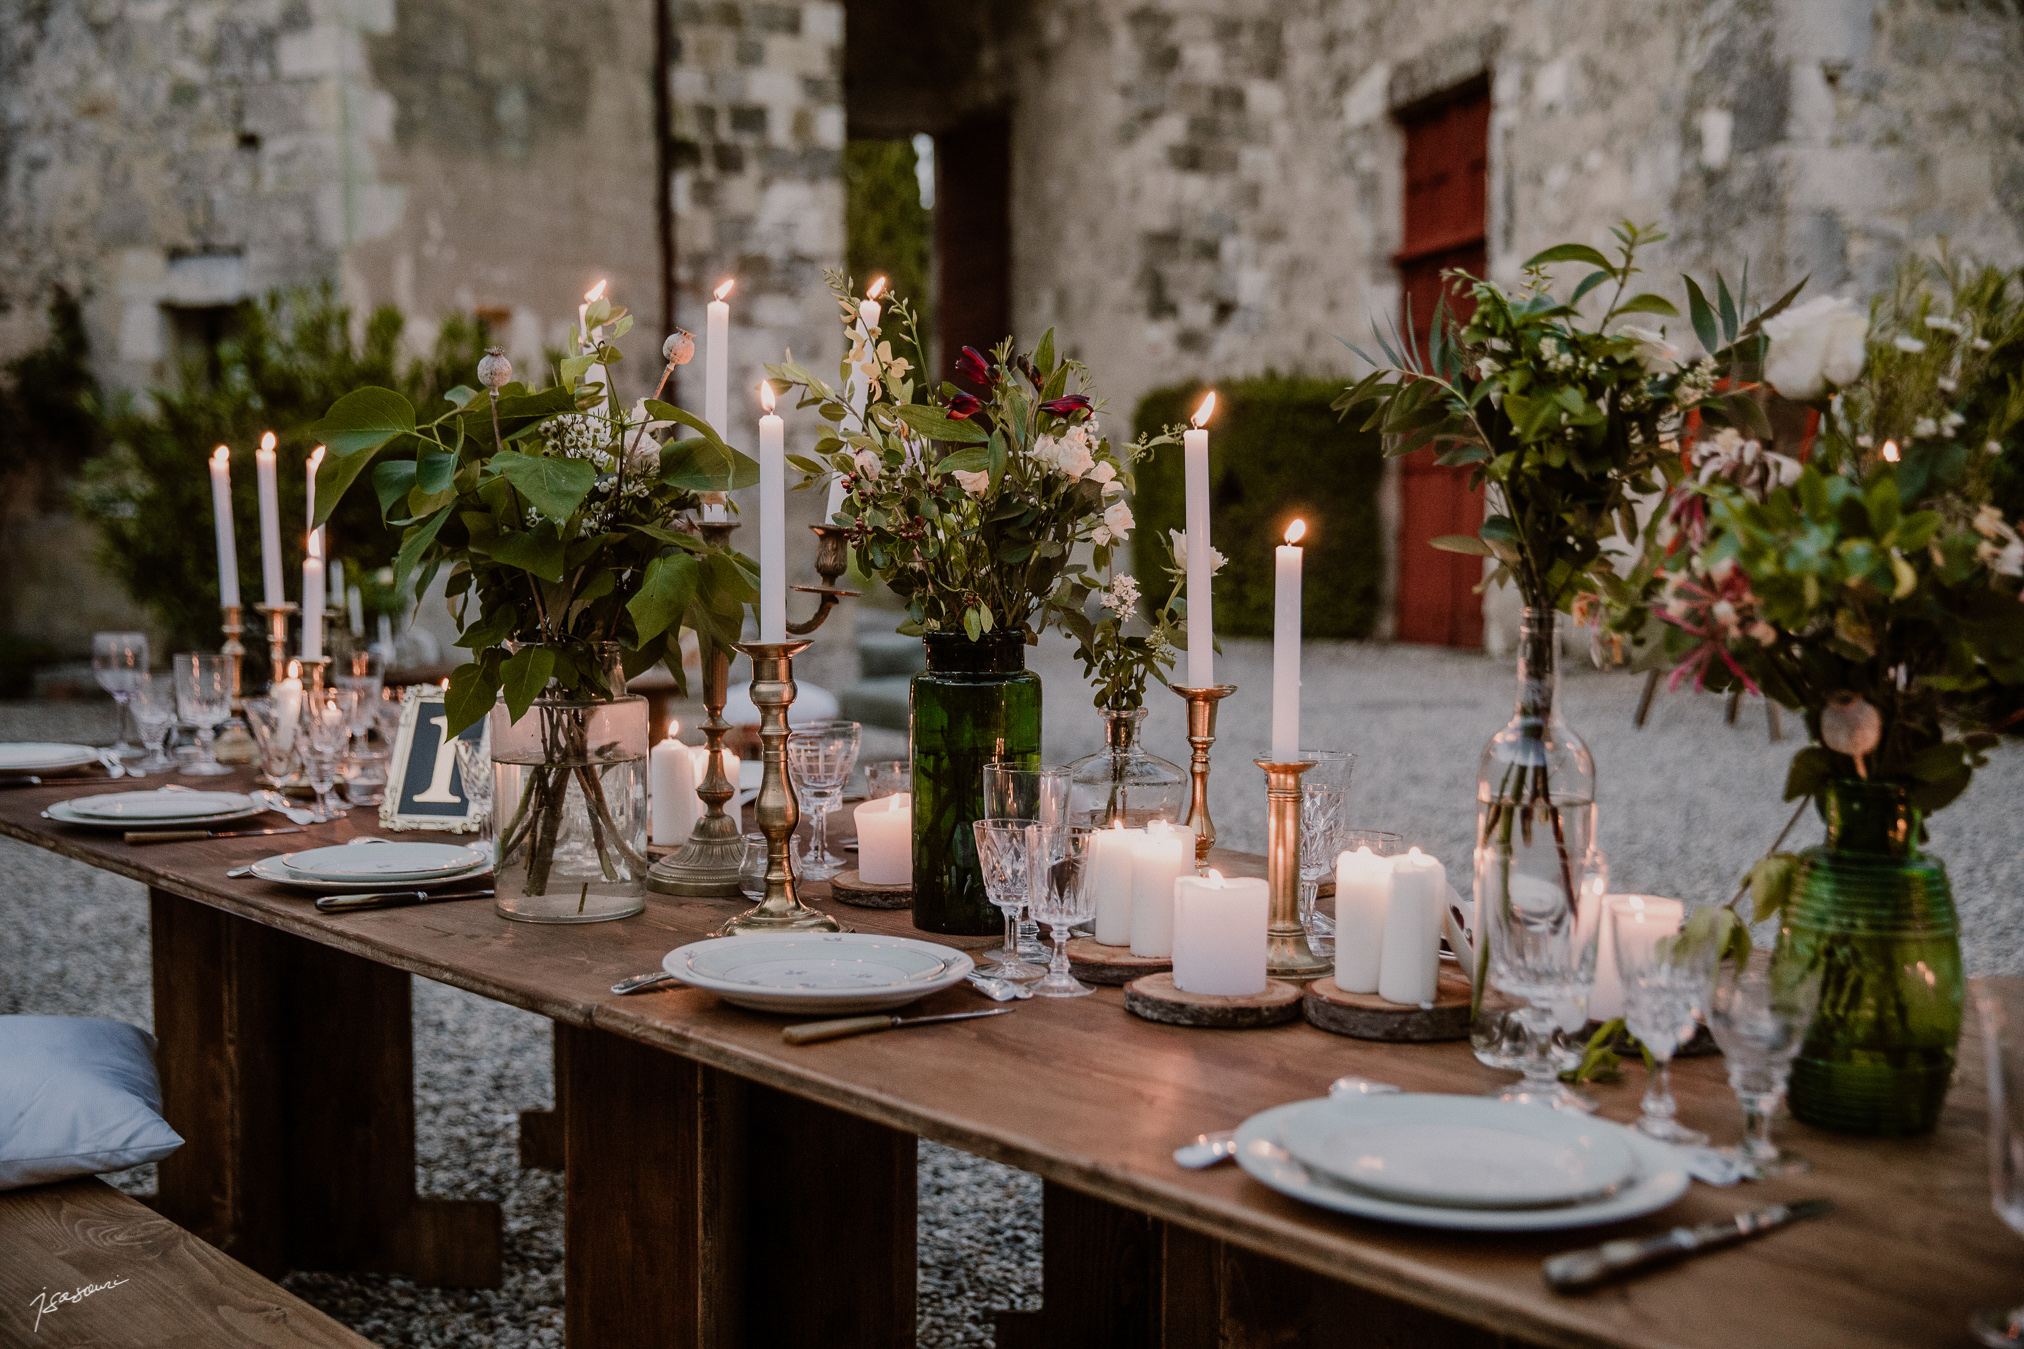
[(288, 1068), (1099, 1277), (541, 1141)]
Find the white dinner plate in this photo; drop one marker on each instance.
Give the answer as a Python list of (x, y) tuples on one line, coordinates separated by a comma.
[(818, 971), (63, 812), (1660, 1179), (158, 806), (385, 861), (277, 872), (1462, 1151), (39, 756)]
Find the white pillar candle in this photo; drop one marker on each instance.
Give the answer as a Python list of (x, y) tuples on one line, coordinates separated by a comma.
[(717, 362), (1201, 621), (336, 583), (1363, 882), (354, 609), (671, 789), (1410, 965), (313, 463), (1112, 855), (1286, 645), (386, 635), (312, 598), (1639, 921), (1219, 934), (273, 592), (772, 522), (221, 512), (1162, 855), (715, 512), (885, 840), (288, 706)]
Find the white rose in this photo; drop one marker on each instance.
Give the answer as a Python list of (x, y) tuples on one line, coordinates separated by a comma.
[(1818, 344), (1117, 519), (1653, 352), (973, 483), (1180, 538), (867, 464), (1107, 475)]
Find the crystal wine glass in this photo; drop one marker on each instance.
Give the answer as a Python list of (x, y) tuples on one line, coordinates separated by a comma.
[(752, 868), (1665, 978), (1003, 854), (1324, 810), (820, 758), (364, 672), (116, 657), (474, 773), (1759, 1015), (154, 709), (1013, 792), (204, 700), (2003, 1328), (326, 729), (1539, 951), (1061, 898), (888, 777)]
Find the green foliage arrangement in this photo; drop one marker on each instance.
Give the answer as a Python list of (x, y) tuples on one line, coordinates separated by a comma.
[(563, 519), (293, 354), (886, 230), (1277, 452)]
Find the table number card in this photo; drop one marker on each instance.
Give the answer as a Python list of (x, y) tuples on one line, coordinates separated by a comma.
[(425, 787)]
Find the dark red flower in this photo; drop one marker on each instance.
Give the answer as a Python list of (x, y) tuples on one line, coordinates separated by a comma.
[(972, 366), (1066, 405), (963, 405)]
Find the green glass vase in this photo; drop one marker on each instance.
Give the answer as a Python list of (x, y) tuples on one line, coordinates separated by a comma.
[(1876, 917), (976, 703)]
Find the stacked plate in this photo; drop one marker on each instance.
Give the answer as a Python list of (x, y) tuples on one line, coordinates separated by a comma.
[(164, 809), (352, 868), (1462, 1162), (818, 971), (34, 756)]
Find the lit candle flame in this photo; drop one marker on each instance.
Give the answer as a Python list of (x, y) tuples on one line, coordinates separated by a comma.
[(221, 455), (1202, 413), (674, 728), (1214, 876), (594, 294), (295, 669), (315, 460), (1296, 531), (766, 394), (316, 543), (267, 442), (876, 289), (725, 289), (1890, 451)]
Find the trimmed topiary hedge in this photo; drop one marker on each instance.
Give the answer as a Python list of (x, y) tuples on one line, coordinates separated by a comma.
[(1276, 452)]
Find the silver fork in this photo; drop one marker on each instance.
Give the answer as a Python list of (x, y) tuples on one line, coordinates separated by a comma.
[(278, 803)]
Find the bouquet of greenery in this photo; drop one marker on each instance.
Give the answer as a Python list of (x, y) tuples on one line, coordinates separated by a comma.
[(1863, 576), (975, 505)]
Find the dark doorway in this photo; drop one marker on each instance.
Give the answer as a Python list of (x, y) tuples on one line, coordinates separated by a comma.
[(1446, 202), (973, 235)]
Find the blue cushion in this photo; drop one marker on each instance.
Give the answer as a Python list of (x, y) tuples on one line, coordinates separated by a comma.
[(78, 1096)]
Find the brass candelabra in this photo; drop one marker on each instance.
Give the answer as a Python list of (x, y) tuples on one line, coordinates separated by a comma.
[(277, 635), (1201, 734), (1287, 953)]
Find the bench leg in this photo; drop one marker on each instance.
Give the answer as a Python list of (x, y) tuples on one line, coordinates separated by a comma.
[(288, 1068), (541, 1141)]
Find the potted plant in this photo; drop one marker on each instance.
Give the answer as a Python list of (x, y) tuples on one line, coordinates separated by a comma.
[(564, 521)]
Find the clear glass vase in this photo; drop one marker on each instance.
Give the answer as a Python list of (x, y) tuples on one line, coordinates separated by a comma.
[(569, 805), (1121, 782)]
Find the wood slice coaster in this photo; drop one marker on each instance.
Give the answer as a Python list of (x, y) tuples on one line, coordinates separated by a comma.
[(846, 888), (1155, 998), (1366, 1016), (1094, 963)]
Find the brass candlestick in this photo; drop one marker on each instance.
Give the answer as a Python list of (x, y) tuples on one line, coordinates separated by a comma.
[(234, 648), (1201, 735), (277, 636), (706, 867), (1287, 954), (776, 811), (234, 744), (831, 557)]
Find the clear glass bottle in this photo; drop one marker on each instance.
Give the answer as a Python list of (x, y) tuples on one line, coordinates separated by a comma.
[(1123, 782)]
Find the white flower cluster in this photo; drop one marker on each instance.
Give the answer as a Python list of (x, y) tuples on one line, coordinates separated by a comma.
[(2000, 549), (1746, 463), (1695, 382), (1117, 523), (579, 435), (1123, 595), (1927, 428), (1072, 454)]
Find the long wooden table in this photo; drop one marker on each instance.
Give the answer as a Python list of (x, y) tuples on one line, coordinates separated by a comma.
[(724, 1188)]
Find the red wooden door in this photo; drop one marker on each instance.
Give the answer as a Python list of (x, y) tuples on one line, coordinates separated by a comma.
[(1447, 193)]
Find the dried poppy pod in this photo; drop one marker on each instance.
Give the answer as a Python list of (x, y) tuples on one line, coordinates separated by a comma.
[(494, 370), (1850, 725), (680, 348)]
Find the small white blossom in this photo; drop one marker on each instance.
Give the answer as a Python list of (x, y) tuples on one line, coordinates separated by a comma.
[(1925, 428), (1944, 325), (1947, 383), (1981, 344), (1653, 352), (1952, 422), (973, 483), (1123, 595), (1908, 343)]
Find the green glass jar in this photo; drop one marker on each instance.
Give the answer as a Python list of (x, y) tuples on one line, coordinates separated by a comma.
[(1876, 917), (976, 703)]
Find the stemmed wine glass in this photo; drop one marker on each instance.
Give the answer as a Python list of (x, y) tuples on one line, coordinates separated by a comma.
[(820, 758), (1540, 951), (154, 709), (364, 672), (1665, 990), (2002, 1328), (116, 657), (1759, 1015), (1012, 792), (1061, 899), (1003, 853), (474, 774), (1324, 809), (326, 730), (204, 700)]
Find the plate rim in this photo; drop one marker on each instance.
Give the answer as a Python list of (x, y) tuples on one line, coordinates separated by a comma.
[(383, 876), (1661, 1185), (90, 756), (71, 804), (69, 816), (957, 965), (344, 887)]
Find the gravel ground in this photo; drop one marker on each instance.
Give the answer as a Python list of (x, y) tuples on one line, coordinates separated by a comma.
[(1688, 803)]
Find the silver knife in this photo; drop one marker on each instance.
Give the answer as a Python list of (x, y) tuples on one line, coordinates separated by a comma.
[(816, 1031), (390, 899), (1577, 1271), (193, 835)]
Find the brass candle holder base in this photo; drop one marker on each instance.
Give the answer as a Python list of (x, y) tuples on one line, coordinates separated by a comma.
[(1287, 954), (706, 865), (776, 810), (1201, 735), (277, 636), (234, 744)]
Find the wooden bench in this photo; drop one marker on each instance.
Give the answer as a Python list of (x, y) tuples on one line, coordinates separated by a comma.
[(97, 1267)]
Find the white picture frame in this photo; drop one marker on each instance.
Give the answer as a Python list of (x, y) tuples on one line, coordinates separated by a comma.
[(425, 787)]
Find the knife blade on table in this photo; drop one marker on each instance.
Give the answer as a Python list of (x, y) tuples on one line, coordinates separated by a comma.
[(390, 899), (1578, 1271), (814, 1032), (192, 835)]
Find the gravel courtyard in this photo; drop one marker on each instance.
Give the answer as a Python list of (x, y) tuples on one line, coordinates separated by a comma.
[(1687, 803)]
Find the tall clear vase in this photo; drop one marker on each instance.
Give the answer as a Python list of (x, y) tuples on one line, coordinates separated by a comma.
[(1535, 832), (1122, 783)]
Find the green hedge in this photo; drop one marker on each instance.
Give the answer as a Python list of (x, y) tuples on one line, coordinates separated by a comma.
[(1276, 452)]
